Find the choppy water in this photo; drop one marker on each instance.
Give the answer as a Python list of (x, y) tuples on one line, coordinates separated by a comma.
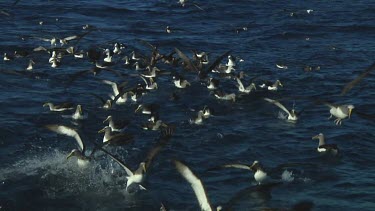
[(338, 36)]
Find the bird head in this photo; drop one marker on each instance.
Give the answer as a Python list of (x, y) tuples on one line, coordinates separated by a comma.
[(74, 152), (318, 136), (108, 118), (350, 108)]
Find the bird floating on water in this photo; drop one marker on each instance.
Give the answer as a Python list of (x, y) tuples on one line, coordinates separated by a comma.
[(244, 89), (61, 107), (260, 175), (115, 139), (271, 86), (323, 147), (117, 126)]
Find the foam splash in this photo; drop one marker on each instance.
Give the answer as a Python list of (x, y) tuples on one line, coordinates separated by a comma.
[(58, 175), (287, 176), (282, 115)]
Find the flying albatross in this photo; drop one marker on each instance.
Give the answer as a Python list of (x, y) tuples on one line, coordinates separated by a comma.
[(196, 185)]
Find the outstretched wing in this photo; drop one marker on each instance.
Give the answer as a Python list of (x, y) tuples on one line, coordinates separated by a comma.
[(236, 165), (122, 164), (278, 104), (186, 60), (350, 85), (64, 130), (195, 183), (240, 84)]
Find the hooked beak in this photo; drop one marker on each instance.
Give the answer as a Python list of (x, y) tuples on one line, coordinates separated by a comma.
[(102, 130), (144, 168), (80, 109), (69, 156), (45, 104), (315, 137), (350, 112), (106, 119)]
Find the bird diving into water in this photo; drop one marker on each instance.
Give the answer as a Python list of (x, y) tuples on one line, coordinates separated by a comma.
[(138, 176), (80, 153)]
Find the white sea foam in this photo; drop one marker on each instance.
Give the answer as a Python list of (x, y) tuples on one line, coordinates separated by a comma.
[(287, 176)]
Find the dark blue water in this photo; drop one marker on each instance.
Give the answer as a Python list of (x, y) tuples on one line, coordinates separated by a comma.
[(338, 36)]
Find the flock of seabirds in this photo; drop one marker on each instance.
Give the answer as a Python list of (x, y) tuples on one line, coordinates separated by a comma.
[(138, 73)]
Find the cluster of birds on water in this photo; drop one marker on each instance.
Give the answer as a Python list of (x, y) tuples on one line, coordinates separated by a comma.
[(139, 75)]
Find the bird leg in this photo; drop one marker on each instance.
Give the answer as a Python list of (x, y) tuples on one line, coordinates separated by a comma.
[(330, 117), (338, 121)]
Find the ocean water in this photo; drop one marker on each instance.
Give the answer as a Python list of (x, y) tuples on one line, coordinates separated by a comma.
[(337, 36)]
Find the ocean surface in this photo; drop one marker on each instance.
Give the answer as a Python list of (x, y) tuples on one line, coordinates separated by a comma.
[(334, 38)]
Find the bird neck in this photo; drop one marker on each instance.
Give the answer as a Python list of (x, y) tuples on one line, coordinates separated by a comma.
[(321, 140)]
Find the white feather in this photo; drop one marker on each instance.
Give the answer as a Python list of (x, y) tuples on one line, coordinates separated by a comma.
[(196, 184)]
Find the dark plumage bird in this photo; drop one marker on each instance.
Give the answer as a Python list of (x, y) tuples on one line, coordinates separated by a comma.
[(326, 148)]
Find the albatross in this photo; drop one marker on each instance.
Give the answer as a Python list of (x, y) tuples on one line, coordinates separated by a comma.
[(115, 139), (340, 111), (244, 89), (323, 147), (138, 175), (259, 174), (82, 158), (292, 115), (271, 86), (117, 126), (61, 107)]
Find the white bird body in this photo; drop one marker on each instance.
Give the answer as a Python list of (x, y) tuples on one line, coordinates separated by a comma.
[(78, 114), (30, 66), (260, 176), (199, 119), (82, 163), (341, 112), (181, 83), (270, 86)]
